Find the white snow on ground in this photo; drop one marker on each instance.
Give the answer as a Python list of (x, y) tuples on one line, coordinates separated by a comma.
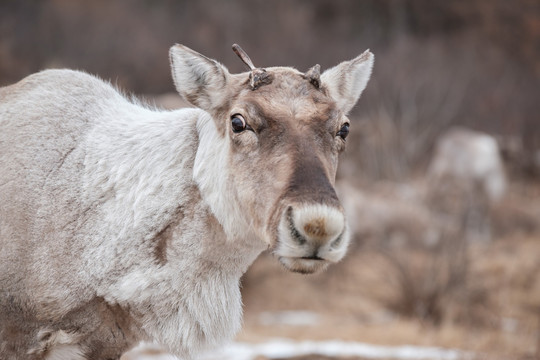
[(290, 318), (280, 348)]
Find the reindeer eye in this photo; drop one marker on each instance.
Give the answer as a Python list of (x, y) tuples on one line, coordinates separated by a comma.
[(238, 123), (344, 131)]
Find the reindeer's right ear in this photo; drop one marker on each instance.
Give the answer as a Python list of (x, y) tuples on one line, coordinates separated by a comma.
[(198, 79)]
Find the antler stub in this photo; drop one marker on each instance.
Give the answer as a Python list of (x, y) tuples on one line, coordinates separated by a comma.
[(314, 75), (243, 56), (258, 76)]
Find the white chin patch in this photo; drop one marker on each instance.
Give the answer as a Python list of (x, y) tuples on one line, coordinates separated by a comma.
[(311, 237)]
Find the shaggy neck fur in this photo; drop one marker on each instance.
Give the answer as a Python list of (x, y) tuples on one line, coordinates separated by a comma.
[(138, 230), (169, 185), (211, 173)]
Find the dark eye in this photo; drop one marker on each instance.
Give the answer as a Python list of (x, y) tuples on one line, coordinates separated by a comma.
[(238, 123), (344, 131)]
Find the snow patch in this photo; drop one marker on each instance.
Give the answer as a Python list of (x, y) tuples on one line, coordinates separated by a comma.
[(290, 318), (280, 348)]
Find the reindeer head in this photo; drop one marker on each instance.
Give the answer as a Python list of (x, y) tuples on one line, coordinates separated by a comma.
[(278, 134)]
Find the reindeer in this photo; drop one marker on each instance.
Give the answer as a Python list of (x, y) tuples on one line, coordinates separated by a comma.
[(466, 178), (120, 223)]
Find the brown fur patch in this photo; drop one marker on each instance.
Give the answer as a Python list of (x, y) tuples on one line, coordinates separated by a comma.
[(309, 182), (316, 228), (163, 238)]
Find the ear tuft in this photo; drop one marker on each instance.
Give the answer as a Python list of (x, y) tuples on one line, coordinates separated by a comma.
[(346, 81), (199, 80)]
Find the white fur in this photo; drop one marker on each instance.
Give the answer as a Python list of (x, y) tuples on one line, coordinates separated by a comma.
[(347, 80), (211, 173), (207, 302)]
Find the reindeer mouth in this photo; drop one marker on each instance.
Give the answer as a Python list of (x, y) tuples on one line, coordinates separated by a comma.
[(316, 258), (303, 265)]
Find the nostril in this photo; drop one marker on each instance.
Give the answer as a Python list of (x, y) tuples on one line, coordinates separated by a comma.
[(337, 241), (292, 228), (289, 212)]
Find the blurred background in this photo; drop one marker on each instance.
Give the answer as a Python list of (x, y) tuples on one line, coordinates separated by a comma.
[(441, 178)]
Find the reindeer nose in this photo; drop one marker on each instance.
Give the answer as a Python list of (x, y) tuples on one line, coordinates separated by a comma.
[(311, 237), (315, 224)]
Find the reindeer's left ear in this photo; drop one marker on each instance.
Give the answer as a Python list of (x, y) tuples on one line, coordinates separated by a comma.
[(200, 80), (346, 81)]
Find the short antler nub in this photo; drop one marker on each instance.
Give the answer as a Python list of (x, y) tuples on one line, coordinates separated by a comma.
[(314, 75), (258, 76), (243, 56)]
